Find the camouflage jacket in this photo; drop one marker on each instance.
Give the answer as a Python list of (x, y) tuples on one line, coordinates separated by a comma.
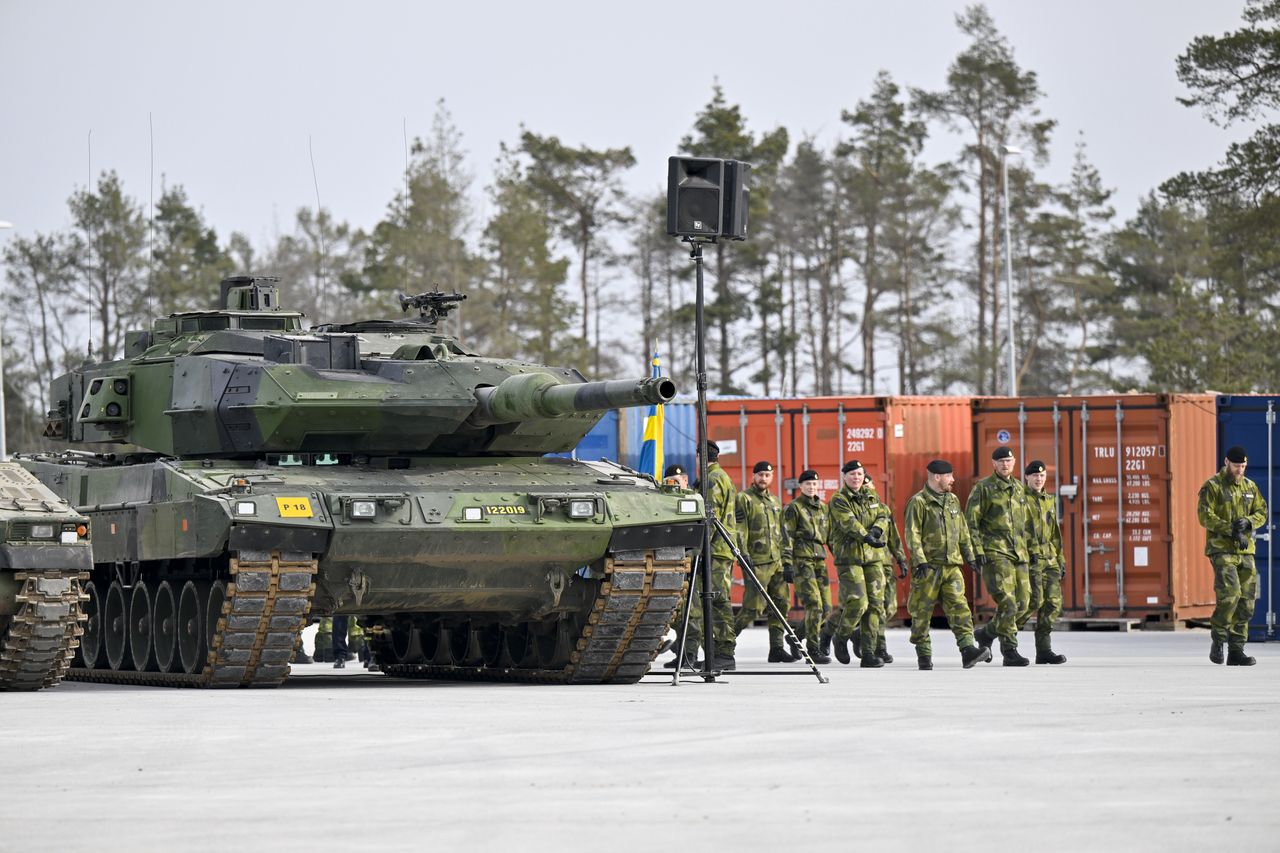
[(997, 515), (759, 516), (935, 530), (804, 529), (721, 493), (853, 515), (893, 542), (1044, 534), (1221, 503)]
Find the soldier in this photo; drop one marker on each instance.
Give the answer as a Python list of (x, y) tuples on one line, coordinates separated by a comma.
[(887, 556), (759, 517), (1230, 509), (720, 494), (804, 534), (997, 516), (675, 475), (1048, 566), (857, 526), (938, 538)]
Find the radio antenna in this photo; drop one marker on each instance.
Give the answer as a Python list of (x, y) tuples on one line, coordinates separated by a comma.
[(151, 223)]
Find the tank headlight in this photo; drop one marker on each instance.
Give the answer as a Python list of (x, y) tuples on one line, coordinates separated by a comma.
[(246, 508), (43, 531), (582, 509), (687, 507), (364, 509)]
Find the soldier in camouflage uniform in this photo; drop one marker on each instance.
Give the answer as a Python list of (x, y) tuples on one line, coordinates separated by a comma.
[(938, 538), (721, 494), (1048, 565), (1230, 508), (805, 525), (997, 515), (887, 556), (857, 526), (759, 517)]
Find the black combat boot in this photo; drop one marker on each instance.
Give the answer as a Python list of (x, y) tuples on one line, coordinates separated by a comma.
[(971, 655), (824, 645), (982, 636), (857, 644), (842, 650), (1237, 657), (300, 656), (690, 662), (1012, 657), (870, 661), (882, 652), (1048, 655), (780, 656), (724, 663), (340, 663), (924, 661), (815, 654), (1215, 652), (794, 651)]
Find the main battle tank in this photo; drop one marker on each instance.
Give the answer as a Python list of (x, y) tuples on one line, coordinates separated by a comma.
[(44, 555), (371, 468)]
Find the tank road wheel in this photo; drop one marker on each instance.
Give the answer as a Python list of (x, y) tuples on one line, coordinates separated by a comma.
[(406, 644), (437, 645), (213, 611), (115, 626), (554, 647), (90, 651), (192, 647), (465, 646), (141, 630), (491, 645), (164, 626), (517, 647)]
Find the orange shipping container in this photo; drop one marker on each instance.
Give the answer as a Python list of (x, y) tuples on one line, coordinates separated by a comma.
[(1127, 469)]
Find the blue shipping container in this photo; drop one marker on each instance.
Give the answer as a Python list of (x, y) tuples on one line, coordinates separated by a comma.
[(1249, 421), (678, 438), (600, 443)]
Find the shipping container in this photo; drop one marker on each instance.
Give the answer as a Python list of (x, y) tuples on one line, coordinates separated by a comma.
[(679, 435), (1127, 470), (1250, 421), (600, 443)]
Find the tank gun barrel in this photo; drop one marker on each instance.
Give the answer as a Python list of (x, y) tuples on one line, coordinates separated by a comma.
[(530, 396)]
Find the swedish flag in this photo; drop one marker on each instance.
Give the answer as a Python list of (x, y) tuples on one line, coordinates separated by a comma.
[(651, 448)]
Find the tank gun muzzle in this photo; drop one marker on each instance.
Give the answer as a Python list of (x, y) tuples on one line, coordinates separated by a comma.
[(530, 396)]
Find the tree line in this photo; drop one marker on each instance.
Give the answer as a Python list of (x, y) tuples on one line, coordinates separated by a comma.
[(869, 269)]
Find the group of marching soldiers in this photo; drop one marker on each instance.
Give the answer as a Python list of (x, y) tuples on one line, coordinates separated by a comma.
[(1008, 533)]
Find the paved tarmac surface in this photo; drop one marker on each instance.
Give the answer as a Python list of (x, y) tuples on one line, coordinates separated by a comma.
[(1137, 742)]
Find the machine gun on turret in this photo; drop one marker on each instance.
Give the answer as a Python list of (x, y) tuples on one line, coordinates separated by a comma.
[(432, 306)]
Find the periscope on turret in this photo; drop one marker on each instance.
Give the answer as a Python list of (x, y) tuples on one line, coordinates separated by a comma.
[(375, 468)]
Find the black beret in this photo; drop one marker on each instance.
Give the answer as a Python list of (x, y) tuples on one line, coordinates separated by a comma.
[(713, 451), (761, 467), (806, 475), (939, 466), (1002, 452), (672, 471), (851, 465), (1035, 466), (1237, 454)]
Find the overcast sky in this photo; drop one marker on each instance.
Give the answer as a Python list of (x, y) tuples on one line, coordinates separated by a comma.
[(236, 89)]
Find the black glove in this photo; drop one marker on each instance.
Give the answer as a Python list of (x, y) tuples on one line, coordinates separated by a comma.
[(1062, 571), (1241, 525), (788, 576), (921, 570), (874, 538), (979, 562), (902, 568)]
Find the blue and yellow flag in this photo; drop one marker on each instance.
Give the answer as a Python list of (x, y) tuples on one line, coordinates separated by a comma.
[(651, 449)]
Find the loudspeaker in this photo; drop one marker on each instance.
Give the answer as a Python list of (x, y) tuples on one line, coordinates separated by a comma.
[(695, 200), (737, 175)]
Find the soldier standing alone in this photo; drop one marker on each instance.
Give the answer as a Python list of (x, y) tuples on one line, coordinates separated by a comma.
[(1048, 565), (938, 539), (759, 517), (997, 514), (804, 536), (1230, 508)]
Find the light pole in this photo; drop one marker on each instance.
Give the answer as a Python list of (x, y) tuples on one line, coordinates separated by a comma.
[(1007, 150), (4, 455)]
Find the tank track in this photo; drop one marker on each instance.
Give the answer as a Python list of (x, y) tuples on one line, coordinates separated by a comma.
[(42, 637), (623, 629), (268, 599)]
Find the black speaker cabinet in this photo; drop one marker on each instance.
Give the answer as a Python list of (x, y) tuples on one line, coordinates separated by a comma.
[(737, 194), (695, 198)]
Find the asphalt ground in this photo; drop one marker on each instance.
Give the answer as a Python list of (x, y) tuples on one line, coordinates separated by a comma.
[(1137, 742)]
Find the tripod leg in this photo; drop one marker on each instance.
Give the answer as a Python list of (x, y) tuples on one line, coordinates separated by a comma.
[(748, 571), (684, 628)]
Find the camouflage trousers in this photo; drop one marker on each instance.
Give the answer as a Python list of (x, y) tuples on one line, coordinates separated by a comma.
[(755, 605), (890, 601), (722, 632), (824, 589), (943, 584), (1010, 586), (861, 599), (810, 595), (1235, 583), (1045, 603)]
